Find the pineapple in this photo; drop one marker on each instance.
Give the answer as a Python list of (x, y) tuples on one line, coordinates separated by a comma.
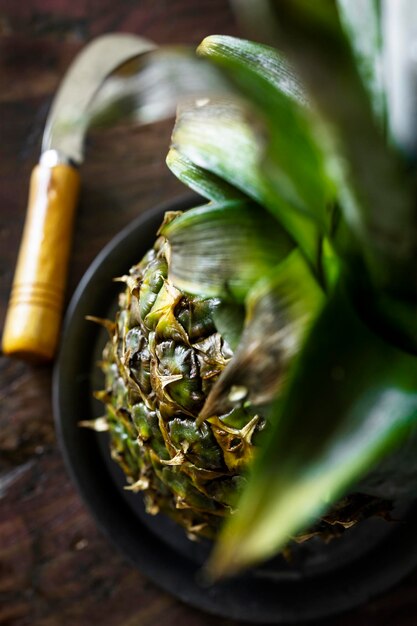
[(162, 359), (261, 372), (160, 364)]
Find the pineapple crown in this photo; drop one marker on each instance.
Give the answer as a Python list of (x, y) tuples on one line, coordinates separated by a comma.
[(308, 239)]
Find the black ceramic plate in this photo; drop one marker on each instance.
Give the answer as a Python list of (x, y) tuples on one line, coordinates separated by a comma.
[(322, 579)]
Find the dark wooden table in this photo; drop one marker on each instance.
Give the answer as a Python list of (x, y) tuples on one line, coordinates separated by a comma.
[(56, 569)]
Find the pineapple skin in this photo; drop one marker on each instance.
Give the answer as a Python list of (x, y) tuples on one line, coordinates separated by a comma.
[(163, 357)]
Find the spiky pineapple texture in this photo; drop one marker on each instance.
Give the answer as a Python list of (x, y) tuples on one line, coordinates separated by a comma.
[(160, 363)]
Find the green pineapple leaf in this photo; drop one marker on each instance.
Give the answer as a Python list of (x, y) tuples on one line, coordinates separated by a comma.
[(206, 245), (264, 78), (229, 318), (361, 20), (280, 309), (225, 138), (398, 28), (350, 401), (255, 67), (203, 182), (376, 192)]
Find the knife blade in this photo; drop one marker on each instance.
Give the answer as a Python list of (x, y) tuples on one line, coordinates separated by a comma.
[(34, 313)]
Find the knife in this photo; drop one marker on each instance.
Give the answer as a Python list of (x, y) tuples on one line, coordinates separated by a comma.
[(34, 314)]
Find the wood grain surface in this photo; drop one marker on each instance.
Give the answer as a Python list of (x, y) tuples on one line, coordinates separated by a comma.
[(56, 569)]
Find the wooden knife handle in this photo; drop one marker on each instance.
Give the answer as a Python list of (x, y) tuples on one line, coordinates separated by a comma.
[(34, 314)]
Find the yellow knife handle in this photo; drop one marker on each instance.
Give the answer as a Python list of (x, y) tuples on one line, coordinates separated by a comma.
[(34, 314)]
